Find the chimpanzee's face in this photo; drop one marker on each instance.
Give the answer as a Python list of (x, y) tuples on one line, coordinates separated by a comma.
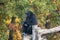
[(28, 13)]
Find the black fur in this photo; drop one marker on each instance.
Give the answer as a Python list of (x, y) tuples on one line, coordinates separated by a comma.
[(30, 20)]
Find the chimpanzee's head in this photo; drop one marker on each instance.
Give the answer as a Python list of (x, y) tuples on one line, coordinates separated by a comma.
[(29, 13), (31, 18)]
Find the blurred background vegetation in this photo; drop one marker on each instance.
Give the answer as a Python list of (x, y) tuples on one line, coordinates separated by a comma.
[(41, 8)]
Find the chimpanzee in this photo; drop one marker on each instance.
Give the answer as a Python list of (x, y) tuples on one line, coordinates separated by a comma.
[(11, 28), (30, 20), (27, 25)]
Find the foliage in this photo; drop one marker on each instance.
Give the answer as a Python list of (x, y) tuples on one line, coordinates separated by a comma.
[(41, 8)]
